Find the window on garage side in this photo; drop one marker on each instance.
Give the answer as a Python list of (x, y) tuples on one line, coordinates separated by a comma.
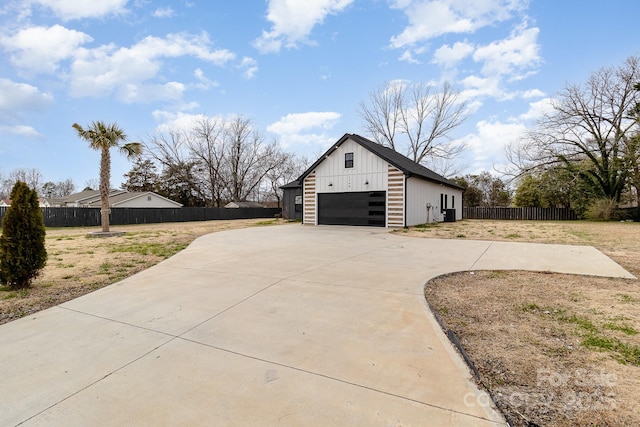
[(348, 160)]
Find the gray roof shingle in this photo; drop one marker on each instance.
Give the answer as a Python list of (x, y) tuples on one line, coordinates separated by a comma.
[(406, 165)]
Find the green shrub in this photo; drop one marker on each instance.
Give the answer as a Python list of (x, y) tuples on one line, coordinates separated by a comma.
[(604, 210), (22, 249)]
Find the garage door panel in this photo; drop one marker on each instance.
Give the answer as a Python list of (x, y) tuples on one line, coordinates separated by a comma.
[(358, 208)]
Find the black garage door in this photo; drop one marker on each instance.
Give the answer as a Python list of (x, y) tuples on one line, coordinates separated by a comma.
[(362, 208)]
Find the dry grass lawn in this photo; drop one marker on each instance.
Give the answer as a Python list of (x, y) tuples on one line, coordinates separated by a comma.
[(554, 349)]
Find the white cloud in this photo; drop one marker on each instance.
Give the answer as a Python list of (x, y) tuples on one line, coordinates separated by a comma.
[(147, 93), (475, 86), (78, 9), (21, 130), (101, 71), (433, 18), (20, 97), (40, 49), (537, 110), (250, 67), (163, 12), (518, 52), (305, 129), (487, 144), (300, 122), (533, 93), (407, 56), (205, 82), (177, 121), (449, 56), (293, 20)]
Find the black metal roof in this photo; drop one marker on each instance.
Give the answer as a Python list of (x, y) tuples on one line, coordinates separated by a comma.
[(292, 184), (405, 164)]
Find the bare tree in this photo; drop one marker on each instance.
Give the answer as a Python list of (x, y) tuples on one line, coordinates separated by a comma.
[(91, 184), (32, 177), (218, 159), (416, 120), (287, 167), (383, 115), (64, 188), (590, 124), (248, 158), (171, 151), (206, 144), (60, 189)]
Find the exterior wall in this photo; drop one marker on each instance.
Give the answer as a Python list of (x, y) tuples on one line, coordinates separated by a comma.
[(421, 192), (369, 172), (147, 201), (395, 197), (289, 204), (309, 195)]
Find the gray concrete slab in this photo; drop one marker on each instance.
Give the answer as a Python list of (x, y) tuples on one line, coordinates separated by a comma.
[(585, 260), (186, 298), (288, 325), (51, 355)]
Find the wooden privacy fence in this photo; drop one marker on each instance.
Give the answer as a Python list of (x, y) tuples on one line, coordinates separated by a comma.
[(90, 217), (536, 214)]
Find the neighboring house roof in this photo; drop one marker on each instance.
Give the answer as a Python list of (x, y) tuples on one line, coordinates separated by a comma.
[(123, 197), (406, 165), (86, 197), (42, 202), (243, 205), (91, 198)]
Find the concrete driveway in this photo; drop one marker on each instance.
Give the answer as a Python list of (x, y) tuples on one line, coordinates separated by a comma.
[(289, 325)]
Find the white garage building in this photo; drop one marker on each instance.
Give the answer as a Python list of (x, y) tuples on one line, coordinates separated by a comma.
[(359, 182)]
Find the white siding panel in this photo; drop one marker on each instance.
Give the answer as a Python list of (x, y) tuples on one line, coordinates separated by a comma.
[(369, 172), (421, 192), (147, 201)]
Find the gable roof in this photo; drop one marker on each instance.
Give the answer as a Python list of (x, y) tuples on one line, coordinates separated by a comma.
[(244, 204), (87, 196), (405, 164), (125, 196)]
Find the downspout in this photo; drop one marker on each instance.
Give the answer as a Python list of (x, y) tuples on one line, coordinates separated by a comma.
[(404, 198)]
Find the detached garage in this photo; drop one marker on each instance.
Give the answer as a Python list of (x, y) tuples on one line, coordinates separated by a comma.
[(359, 182)]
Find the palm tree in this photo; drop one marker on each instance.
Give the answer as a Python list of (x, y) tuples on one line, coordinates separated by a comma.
[(103, 137)]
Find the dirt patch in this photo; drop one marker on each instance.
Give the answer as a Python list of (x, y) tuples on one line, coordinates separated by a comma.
[(553, 349), (78, 264)]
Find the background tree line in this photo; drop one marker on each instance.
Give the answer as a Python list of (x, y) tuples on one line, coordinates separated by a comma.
[(35, 180), (212, 162), (584, 152)]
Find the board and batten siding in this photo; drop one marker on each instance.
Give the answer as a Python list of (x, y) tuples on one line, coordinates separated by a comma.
[(395, 197), (309, 195), (420, 193), (369, 172)]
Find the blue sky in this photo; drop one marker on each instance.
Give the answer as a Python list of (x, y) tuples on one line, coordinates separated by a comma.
[(298, 68)]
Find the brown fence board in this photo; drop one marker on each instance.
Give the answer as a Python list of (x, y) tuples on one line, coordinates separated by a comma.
[(515, 214)]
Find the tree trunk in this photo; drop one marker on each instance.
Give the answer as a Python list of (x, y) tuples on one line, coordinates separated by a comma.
[(105, 175)]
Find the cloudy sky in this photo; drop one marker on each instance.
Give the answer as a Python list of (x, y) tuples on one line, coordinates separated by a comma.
[(298, 68)]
